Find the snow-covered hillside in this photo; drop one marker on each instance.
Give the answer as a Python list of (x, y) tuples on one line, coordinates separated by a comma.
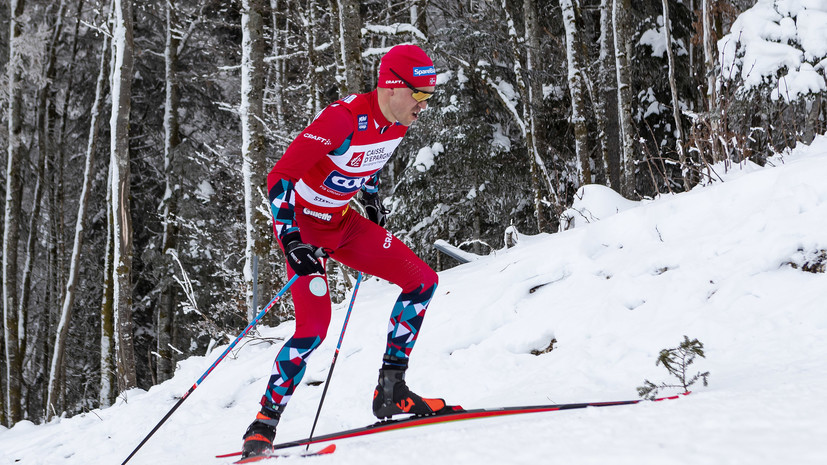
[(722, 263)]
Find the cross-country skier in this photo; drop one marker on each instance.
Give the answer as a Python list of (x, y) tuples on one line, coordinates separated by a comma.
[(338, 155)]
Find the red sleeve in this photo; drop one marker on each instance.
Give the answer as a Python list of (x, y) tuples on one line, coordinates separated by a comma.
[(327, 132)]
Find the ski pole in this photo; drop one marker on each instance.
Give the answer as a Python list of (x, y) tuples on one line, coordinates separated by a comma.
[(217, 361), (336, 354)]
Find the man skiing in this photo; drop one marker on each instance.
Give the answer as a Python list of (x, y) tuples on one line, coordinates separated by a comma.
[(338, 155)]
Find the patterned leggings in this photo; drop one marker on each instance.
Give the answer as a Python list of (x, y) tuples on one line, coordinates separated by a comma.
[(358, 243)]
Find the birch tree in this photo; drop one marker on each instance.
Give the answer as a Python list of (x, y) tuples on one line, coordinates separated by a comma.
[(621, 10), (108, 356), (56, 384), (252, 143), (119, 201), (11, 231), (571, 22)]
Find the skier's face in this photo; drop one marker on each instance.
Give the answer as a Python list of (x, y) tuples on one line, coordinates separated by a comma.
[(404, 107), (409, 101)]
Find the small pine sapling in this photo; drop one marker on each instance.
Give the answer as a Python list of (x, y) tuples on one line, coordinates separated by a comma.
[(677, 361)]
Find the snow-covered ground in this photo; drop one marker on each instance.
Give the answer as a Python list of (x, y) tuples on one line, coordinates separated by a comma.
[(712, 264)]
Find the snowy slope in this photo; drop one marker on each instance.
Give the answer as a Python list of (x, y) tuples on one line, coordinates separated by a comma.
[(711, 264)]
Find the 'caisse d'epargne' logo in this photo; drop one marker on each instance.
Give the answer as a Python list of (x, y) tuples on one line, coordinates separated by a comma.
[(356, 160)]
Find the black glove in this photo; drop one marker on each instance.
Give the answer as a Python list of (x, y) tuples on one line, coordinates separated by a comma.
[(373, 207), (301, 257)]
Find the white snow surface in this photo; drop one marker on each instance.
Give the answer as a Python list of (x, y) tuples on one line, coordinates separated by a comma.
[(712, 264)]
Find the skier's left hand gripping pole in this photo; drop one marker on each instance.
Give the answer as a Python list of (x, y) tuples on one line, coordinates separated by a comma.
[(319, 253)]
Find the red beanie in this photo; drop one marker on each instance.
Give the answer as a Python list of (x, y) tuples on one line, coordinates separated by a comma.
[(411, 63)]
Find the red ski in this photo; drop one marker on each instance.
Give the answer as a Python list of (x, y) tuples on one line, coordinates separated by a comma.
[(259, 458), (449, 414)]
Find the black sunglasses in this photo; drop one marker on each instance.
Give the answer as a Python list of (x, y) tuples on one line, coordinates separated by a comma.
[(418, 95)]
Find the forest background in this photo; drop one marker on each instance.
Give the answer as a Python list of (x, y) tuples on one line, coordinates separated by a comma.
[(136, 229)]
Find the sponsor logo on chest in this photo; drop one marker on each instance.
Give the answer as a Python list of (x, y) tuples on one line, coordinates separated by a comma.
[(369, 159), (356, 160), (342, 183)]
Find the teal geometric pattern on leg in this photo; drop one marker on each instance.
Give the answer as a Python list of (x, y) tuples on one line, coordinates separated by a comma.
[(288, 370), (406, 319)]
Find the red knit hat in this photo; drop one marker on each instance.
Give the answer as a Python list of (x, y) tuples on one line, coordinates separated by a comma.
[(411, 63)]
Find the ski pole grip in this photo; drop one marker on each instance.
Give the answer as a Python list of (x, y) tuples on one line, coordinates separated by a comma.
[(320, 253)]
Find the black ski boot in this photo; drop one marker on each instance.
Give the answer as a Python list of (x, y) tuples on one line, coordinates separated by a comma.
[(258, 440), (392, 396)]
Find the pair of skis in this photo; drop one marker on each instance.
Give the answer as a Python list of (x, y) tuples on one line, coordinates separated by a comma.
[(448, 414)]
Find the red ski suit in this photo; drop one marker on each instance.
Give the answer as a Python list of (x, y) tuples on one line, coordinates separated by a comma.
[(338, 154)]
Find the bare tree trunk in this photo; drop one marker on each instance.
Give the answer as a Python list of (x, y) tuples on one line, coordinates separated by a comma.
[(709, 50), (122, 220), (56, 246), (571, 22), (335, 14), (45, 143), (11, 232), (277, 70), (308, 19), (109, 377), (31, 241), (605, 106), (350, 40), (167, 302), (621, 11), (676, 110), (46, 146), (252, 133), (533, 98), (55, 383), (710, 55), (3, 421)]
